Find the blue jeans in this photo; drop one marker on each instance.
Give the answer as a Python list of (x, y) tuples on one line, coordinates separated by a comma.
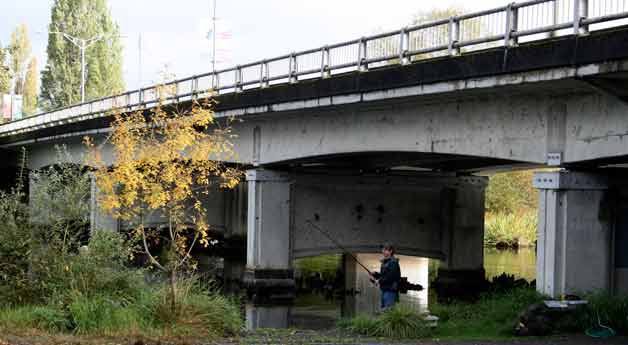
[(388, 299)]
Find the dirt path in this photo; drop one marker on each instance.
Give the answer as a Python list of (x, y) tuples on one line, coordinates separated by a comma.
[(294, 338)]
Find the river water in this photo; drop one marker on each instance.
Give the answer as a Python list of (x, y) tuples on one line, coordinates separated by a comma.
[(320, 310)]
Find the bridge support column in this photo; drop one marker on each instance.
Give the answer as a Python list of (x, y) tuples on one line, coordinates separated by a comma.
[(98, 219), (461, 274), (269, 273), (574, 233)]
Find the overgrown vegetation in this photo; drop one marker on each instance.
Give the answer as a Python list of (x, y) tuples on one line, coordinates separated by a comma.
[(610, 311), (491, 317), (59, 276), (510, 230), (511, 210), (326, 265)]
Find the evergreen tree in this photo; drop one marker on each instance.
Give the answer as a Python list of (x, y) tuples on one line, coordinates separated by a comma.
[(30, 88), (61, 78), (5, 72), (20, 49)]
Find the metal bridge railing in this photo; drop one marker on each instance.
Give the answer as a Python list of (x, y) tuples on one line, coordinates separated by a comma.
[(503, 26)]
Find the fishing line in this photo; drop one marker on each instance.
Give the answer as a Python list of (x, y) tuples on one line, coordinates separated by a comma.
[(326, 234)]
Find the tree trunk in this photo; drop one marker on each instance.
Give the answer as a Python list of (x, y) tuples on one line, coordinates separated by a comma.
[(173, 292)]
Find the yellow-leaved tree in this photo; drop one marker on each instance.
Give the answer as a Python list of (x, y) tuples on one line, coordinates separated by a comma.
[(165, 161)]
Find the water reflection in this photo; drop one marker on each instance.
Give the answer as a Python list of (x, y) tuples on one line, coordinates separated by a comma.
[(520, 263)]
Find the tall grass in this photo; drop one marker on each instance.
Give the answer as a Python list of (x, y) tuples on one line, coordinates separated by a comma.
[(493, 316), (400, 322), (510, 230), (612, 311)]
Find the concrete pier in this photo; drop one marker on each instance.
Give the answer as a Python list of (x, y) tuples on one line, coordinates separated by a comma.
[(269, 273), (575, 231)]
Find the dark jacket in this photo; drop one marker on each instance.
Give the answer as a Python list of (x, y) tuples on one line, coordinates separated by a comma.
[(389, 274)]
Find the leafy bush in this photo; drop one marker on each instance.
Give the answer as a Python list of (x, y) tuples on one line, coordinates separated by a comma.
[(400, 322), (511, 192), (494, 314), (15, 248), (327, 265), (510, 230)]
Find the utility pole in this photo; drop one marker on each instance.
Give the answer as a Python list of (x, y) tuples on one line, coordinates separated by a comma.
[(214, 37), (82, 44), (139, 46)]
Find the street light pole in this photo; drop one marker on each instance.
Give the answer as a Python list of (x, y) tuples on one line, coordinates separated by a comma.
[(82, 44)]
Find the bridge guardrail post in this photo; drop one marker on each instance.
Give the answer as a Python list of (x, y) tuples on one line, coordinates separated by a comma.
[(581, 11), (454, 36), (215, 80), (404, 42), (263, 74), (292, 68), (512, 18), (362, 65), (325, 62), (238, 79)]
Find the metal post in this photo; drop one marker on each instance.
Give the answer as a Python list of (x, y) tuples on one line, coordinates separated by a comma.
[(214, 37), (404, 40), (555, 9), (327, 66), (266, 74), (512, 18), (82, 48), (362, 65), (454, 36), (238, 79), (292, 68), (581, 11)]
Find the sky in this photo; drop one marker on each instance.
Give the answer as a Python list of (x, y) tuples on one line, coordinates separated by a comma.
[(174, 32)]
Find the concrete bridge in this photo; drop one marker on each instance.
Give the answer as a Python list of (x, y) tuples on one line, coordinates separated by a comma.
[(391, 144)]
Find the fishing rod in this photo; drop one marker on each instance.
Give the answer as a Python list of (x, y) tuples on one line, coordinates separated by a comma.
[(337, 244)]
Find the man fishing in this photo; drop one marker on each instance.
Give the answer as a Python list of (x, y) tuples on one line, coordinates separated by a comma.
[(388, 278)]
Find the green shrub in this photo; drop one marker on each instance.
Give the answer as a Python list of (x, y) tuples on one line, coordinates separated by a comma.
[(493, 315), (361, 324), (510, 192), (15, 247), (611, 310), (33, 317), (327, 265), (511, 230), (400, 322)]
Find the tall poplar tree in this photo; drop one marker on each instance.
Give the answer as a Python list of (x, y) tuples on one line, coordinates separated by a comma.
[(20, 50), (30, 88), (61, 78), (5, 72)]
